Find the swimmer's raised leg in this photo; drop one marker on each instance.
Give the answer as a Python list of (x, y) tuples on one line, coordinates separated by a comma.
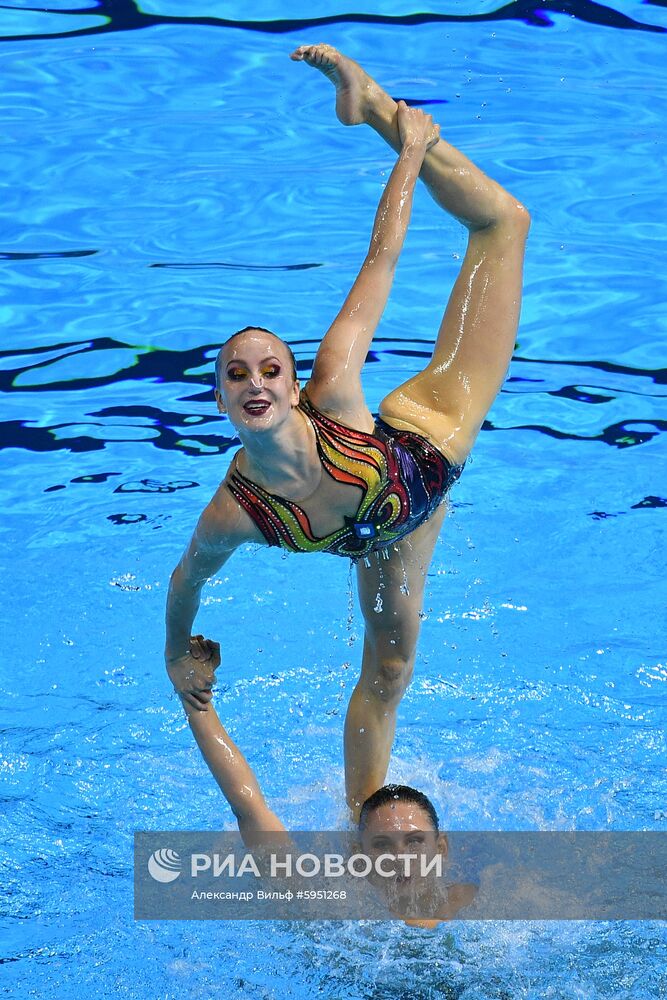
[(449, 399), (455, 183)]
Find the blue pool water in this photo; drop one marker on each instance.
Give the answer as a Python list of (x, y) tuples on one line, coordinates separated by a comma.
[(170, 176)]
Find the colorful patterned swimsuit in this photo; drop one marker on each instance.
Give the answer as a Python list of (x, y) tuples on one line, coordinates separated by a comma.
[(404, 478)]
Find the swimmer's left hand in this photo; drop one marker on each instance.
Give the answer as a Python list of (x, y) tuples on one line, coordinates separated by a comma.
[(205, 650)]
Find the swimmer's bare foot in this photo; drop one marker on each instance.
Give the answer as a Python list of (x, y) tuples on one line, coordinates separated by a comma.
[(355, 89)]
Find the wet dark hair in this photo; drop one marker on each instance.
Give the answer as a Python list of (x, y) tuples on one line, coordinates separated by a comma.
[(397, 793), (218, 360)]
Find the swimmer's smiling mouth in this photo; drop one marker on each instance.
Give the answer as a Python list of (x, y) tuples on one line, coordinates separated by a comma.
[(256, 407)]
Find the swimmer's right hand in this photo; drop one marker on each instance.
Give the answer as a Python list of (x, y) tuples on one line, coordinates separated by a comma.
[(193, 673)]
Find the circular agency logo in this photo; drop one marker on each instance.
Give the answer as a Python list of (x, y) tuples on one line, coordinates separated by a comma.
[(165, 865)]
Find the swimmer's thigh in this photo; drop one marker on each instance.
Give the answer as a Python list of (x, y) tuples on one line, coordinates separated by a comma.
[(391, 591), (448, 401)]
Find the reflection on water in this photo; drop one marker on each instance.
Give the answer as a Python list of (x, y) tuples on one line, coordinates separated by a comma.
[(74, 373), (124, 15)]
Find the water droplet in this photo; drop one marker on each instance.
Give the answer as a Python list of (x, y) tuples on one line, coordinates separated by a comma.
[(378, 604)]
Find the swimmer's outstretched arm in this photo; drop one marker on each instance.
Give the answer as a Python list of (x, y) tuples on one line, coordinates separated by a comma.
[(227, 764), (190, 670)]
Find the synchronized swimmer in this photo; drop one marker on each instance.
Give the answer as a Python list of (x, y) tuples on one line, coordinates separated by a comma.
[(317, 473)]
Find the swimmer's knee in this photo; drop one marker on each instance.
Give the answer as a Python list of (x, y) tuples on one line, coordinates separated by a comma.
[(389, 678)]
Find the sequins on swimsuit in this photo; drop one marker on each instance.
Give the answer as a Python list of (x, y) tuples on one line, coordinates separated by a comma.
[(403, 477)]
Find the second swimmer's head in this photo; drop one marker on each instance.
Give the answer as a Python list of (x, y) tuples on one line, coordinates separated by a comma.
[(407, 806), (399, 821)]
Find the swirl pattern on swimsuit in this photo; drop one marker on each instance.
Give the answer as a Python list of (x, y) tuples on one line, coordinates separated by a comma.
[(403, 477)]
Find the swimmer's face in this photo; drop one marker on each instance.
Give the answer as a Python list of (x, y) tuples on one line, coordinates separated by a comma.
[(256, 387), (398, 825), (401, 828)]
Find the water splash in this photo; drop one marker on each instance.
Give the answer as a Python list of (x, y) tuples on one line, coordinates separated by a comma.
[(349, 622), (404, 587)]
